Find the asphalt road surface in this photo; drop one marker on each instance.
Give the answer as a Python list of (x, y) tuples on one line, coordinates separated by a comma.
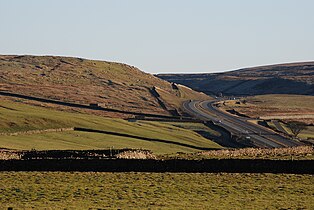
[(258, 135)]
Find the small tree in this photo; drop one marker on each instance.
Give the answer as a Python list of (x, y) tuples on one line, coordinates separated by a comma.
[(296, 127)]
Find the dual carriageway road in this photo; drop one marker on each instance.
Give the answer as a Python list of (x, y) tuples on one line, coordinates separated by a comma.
[(258, 135)]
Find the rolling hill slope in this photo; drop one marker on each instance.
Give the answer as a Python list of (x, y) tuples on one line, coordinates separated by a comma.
[(75, 80), (293, 78)]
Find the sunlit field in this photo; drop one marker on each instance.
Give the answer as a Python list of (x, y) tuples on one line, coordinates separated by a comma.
[(56, 190)]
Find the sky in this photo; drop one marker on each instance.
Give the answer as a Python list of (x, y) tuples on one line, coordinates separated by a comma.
[(162, 36)]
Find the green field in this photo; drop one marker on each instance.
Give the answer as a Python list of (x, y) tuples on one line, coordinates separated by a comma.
[(17, 118), (197, 127), (60, 190), (304, 134)]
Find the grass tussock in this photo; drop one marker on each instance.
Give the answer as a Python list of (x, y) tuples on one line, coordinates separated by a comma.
[(9, 155), (295, 153), (138, 154), (291, 152)]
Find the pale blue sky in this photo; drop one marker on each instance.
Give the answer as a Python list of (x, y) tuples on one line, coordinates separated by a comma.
[(162, 35)]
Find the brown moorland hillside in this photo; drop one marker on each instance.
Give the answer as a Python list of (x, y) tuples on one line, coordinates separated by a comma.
[(75, 80), (291, 78)]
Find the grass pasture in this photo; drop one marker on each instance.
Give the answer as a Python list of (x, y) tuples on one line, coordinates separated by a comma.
[(51, 190), (19, 118)]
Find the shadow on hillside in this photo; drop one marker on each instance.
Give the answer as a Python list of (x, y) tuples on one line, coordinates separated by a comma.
[(81, 106), (142, 138)]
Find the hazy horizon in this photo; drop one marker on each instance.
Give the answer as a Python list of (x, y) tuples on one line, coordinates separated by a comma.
[(162, 36)]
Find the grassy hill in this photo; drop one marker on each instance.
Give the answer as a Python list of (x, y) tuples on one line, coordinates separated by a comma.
[(293, 78), (75, 80), (30, 127)]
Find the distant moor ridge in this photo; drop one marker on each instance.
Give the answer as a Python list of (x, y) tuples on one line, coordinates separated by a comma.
[(107, 84), (293, 78)]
